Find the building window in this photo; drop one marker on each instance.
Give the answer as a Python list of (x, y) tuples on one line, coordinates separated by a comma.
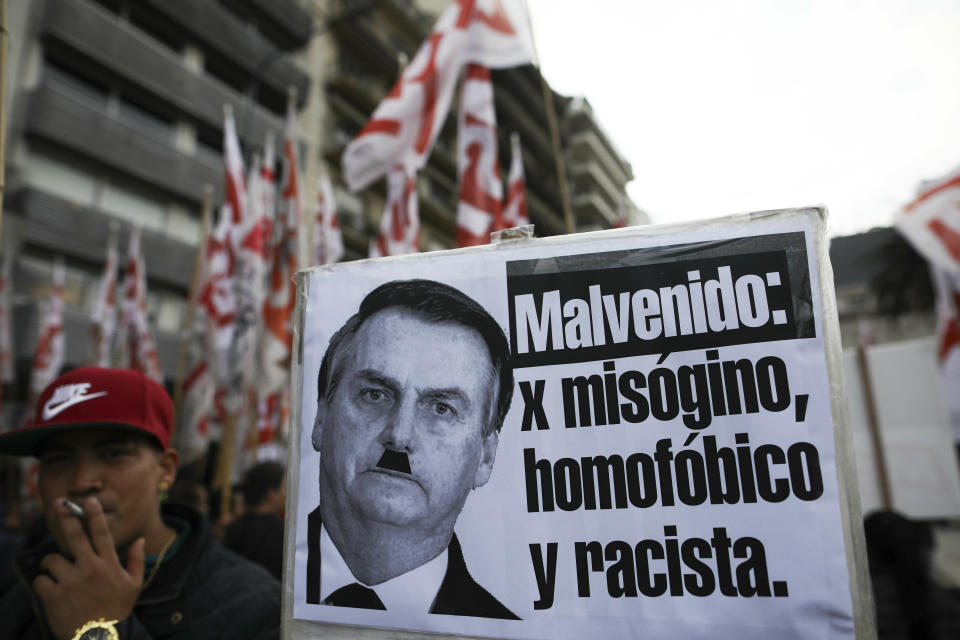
[(77, 87), (57, 175), (144, 121), (229, 74), (128, 204)]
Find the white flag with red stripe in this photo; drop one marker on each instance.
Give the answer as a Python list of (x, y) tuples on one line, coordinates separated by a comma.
[(273, 386), (515, 207), (137, 347), (49, 353), (199, 389), (500, 34), (404, 126), (105, 311), (216, 295), (327, 238), (235, 193), (268, 179), (248, 243), (400, 224), (210, 346), (481, 192), (213, 312), (932, 222), (947, 289)]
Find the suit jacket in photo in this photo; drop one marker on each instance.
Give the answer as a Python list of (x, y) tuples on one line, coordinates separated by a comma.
[(459, 593)]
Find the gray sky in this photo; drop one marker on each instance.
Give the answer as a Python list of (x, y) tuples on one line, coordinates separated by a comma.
[(724, 106)]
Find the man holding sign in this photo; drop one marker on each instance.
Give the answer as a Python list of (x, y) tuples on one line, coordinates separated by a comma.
[(412, 393)]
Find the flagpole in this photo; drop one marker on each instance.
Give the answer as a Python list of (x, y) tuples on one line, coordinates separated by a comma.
[(554, 132), (187, 329), (557, 154), (879, 456), (304, 230), (106, 342), (253, 426), (225, 462)]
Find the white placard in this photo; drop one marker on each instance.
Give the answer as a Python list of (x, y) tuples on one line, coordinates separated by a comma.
[(914, 428), (667, 467)]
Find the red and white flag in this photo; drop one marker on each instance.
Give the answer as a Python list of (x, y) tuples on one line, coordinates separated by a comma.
[(947, 286), (273, 386), (932, 222), (49, 353), (268, 179), (235, 185), (198, 412), (400, 224), (500, 33), (211, 339), (216, 296), (105, 312), (135, 339), (249, 245), (481, 192), (199, 390), (327, 238), (213, 310), (199, 384), (403, 128), (515, 208), (947, 289)]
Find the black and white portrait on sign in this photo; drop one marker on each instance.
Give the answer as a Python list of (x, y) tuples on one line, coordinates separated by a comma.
[(411, 394)]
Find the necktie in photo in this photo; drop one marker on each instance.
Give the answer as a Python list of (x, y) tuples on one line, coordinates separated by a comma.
[(355, 595)]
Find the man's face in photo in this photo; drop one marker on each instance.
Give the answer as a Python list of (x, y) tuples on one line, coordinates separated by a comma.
[(423, 392)]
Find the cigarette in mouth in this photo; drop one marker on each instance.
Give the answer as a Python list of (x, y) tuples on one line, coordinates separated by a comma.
[(73, 508)]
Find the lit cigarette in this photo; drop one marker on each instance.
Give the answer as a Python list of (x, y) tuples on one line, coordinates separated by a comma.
[(73, 508)]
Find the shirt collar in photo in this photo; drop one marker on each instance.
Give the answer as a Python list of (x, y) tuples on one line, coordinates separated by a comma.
[(414, 590)]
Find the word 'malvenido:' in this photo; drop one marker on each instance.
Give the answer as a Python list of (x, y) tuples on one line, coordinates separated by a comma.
[(716, 305)]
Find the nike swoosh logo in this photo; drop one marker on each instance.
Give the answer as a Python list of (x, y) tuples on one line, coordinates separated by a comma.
[(50, 412)]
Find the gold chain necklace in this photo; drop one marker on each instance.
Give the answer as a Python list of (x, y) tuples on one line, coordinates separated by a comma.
[(156, 565)]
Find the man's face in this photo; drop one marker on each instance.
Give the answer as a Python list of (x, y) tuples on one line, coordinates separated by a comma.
[(407, 385), (123, 471)]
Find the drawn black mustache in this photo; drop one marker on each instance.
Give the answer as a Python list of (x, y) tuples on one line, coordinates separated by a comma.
[(394, 461)]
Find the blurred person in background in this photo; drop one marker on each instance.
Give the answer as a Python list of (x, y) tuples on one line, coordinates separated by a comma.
[(258, 533)]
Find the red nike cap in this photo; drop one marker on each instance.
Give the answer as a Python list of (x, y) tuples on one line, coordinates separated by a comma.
[(93, 397)]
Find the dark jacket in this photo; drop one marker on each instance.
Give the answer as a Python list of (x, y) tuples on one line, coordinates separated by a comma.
[(258, 537), (459, 593), (203, 591)]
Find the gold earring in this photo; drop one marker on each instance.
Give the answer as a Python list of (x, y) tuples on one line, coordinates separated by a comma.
[(163, 486)]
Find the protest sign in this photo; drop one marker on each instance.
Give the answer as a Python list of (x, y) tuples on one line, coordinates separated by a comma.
[(914, 430), (673, 462)]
